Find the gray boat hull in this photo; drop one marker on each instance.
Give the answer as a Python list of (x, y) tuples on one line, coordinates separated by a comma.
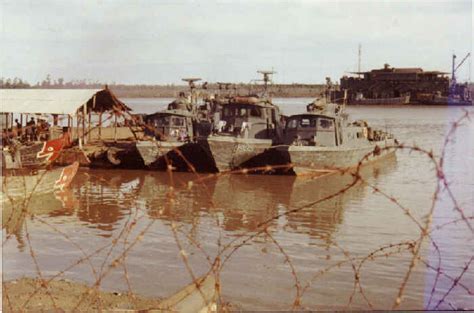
[(152, 151), (322, 160), (229, 153)]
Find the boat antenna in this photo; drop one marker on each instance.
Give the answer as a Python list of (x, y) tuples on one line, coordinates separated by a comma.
[(267, 78), (359, 59), (192, 87), (191, 81)]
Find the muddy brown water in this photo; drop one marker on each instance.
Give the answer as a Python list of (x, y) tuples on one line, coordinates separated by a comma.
[(215, 211)]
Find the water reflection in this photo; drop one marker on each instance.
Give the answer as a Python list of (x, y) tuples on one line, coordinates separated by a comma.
[(100, 199), (15, 212), (105, 197)]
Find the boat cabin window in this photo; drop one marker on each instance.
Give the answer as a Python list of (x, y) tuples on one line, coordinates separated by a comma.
[(293, 123), (237, 112), (169, 121), (302, 122), (305, 122), (178, 121), (326, 124), (242, 112), (255, 112), (162, 121)]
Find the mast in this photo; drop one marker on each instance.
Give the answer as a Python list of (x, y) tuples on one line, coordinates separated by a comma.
[(192, 87), (453, 75), (359, 58), (267, 79)]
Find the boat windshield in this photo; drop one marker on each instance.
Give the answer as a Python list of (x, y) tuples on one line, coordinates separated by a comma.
[(169, 121), (310, 122), (301, 122), (242, 112)]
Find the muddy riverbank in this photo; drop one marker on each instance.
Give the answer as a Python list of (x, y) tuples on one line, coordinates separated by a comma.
[(69, 296)]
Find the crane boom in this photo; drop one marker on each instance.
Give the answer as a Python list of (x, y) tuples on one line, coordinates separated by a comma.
[(460, 63)]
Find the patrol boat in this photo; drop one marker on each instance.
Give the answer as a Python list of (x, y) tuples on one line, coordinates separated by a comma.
[(168, 131), (323, 140), (247, 125)]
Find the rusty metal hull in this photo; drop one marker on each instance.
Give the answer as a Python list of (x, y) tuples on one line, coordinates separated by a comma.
[(382, 101), (322, 160), (230, 153), (178, 156)]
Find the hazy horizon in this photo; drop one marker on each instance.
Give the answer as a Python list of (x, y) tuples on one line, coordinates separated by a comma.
[(138, 42)]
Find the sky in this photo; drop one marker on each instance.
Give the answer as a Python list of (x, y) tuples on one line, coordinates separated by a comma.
[(159, 42)]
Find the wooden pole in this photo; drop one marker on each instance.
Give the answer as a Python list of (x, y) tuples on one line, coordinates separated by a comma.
[(100, 125), (22, 128), (89, 126), (84, 114), (115, 126), (77, 125)]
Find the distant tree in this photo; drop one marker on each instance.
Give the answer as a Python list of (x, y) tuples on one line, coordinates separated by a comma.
[(47, 81)]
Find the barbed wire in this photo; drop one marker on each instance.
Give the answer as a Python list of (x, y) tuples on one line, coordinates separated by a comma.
[(119, 246)]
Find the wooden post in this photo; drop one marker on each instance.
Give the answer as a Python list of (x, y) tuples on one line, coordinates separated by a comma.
[(89, 127), (100, 125), (69, 127), (84, 114), (22, 128), (77, 125), (115, 126)]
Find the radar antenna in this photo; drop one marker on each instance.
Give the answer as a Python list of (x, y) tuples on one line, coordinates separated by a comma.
[(191, 81), (267, 77), (222, 85), (192, 87)]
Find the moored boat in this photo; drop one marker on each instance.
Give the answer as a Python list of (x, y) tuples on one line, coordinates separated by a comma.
[(247, 127), (33, 155), (171, 134), (26, 182), (322, 141), (381, 101), (167, 130)]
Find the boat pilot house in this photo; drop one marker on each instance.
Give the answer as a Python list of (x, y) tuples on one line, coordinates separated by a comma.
[(311, 130), (249, 117)]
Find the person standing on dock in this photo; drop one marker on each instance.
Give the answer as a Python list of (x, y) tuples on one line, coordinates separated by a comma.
[(18, 128), (31, 129)]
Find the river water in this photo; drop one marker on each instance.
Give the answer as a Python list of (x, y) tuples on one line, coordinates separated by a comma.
[(184, 214)]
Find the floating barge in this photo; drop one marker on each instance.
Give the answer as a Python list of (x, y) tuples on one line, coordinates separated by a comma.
[(391, 86), (89, 126)]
